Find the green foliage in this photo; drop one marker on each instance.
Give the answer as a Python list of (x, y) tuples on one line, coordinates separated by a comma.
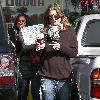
[(72, 17), (89, 12), (7, 11), (21, 10), (74, 2)]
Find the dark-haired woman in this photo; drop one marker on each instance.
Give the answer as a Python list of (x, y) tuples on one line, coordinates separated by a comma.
[(27, 68)]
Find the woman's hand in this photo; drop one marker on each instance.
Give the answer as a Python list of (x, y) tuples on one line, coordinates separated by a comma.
[(40, 46), (56, 45)]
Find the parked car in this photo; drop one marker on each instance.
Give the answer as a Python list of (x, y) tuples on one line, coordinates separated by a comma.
[(10, 77), (86, 66)]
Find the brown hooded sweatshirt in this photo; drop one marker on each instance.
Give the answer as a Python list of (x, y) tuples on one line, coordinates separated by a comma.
[(55, 64)]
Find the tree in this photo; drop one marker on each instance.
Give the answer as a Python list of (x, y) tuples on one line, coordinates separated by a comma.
[(75, 3), (72, 17), (7, 13), (22, 10)]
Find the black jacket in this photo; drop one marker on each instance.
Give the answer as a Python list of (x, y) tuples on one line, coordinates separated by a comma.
[(26, 66)]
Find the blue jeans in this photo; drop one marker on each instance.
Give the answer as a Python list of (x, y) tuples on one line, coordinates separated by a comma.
[(35, 86), (55, 90)]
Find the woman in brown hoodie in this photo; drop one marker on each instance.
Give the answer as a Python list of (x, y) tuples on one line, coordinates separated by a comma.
[(60, 45)]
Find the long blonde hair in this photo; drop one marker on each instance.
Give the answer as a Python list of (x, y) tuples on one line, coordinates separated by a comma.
[(60, 13)]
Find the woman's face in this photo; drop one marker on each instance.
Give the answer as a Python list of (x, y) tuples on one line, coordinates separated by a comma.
[(21, 22), (54, 17)]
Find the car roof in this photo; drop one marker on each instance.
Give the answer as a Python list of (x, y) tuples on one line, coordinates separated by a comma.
[(90, 17), (87, 50)]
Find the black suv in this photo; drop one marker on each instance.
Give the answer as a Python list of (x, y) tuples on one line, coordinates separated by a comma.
[(9, 73)]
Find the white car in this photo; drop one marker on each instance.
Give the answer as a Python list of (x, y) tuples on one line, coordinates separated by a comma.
[(86, 66)]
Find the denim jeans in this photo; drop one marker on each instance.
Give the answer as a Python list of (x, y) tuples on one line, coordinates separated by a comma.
[(35, 86), (55, 90)]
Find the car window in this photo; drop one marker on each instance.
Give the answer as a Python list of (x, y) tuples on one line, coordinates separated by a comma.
[(3, 35), (91, 36)]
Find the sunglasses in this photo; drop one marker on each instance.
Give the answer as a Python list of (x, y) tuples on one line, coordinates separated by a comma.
[(51, 17)]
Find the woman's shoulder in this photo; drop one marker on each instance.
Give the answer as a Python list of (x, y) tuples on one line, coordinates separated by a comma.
[(68, 32), (69, 29)]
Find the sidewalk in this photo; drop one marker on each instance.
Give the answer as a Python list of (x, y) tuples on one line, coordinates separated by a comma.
[(29, 95)]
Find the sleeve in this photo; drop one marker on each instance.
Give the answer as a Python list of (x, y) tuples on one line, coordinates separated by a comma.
[(69, 45), (11, 34), (48, 47)]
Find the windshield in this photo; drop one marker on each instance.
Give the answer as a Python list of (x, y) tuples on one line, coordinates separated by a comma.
[(91, 36)]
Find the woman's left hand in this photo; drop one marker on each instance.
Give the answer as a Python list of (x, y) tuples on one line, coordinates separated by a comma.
[(40, 46), (56, 45)]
